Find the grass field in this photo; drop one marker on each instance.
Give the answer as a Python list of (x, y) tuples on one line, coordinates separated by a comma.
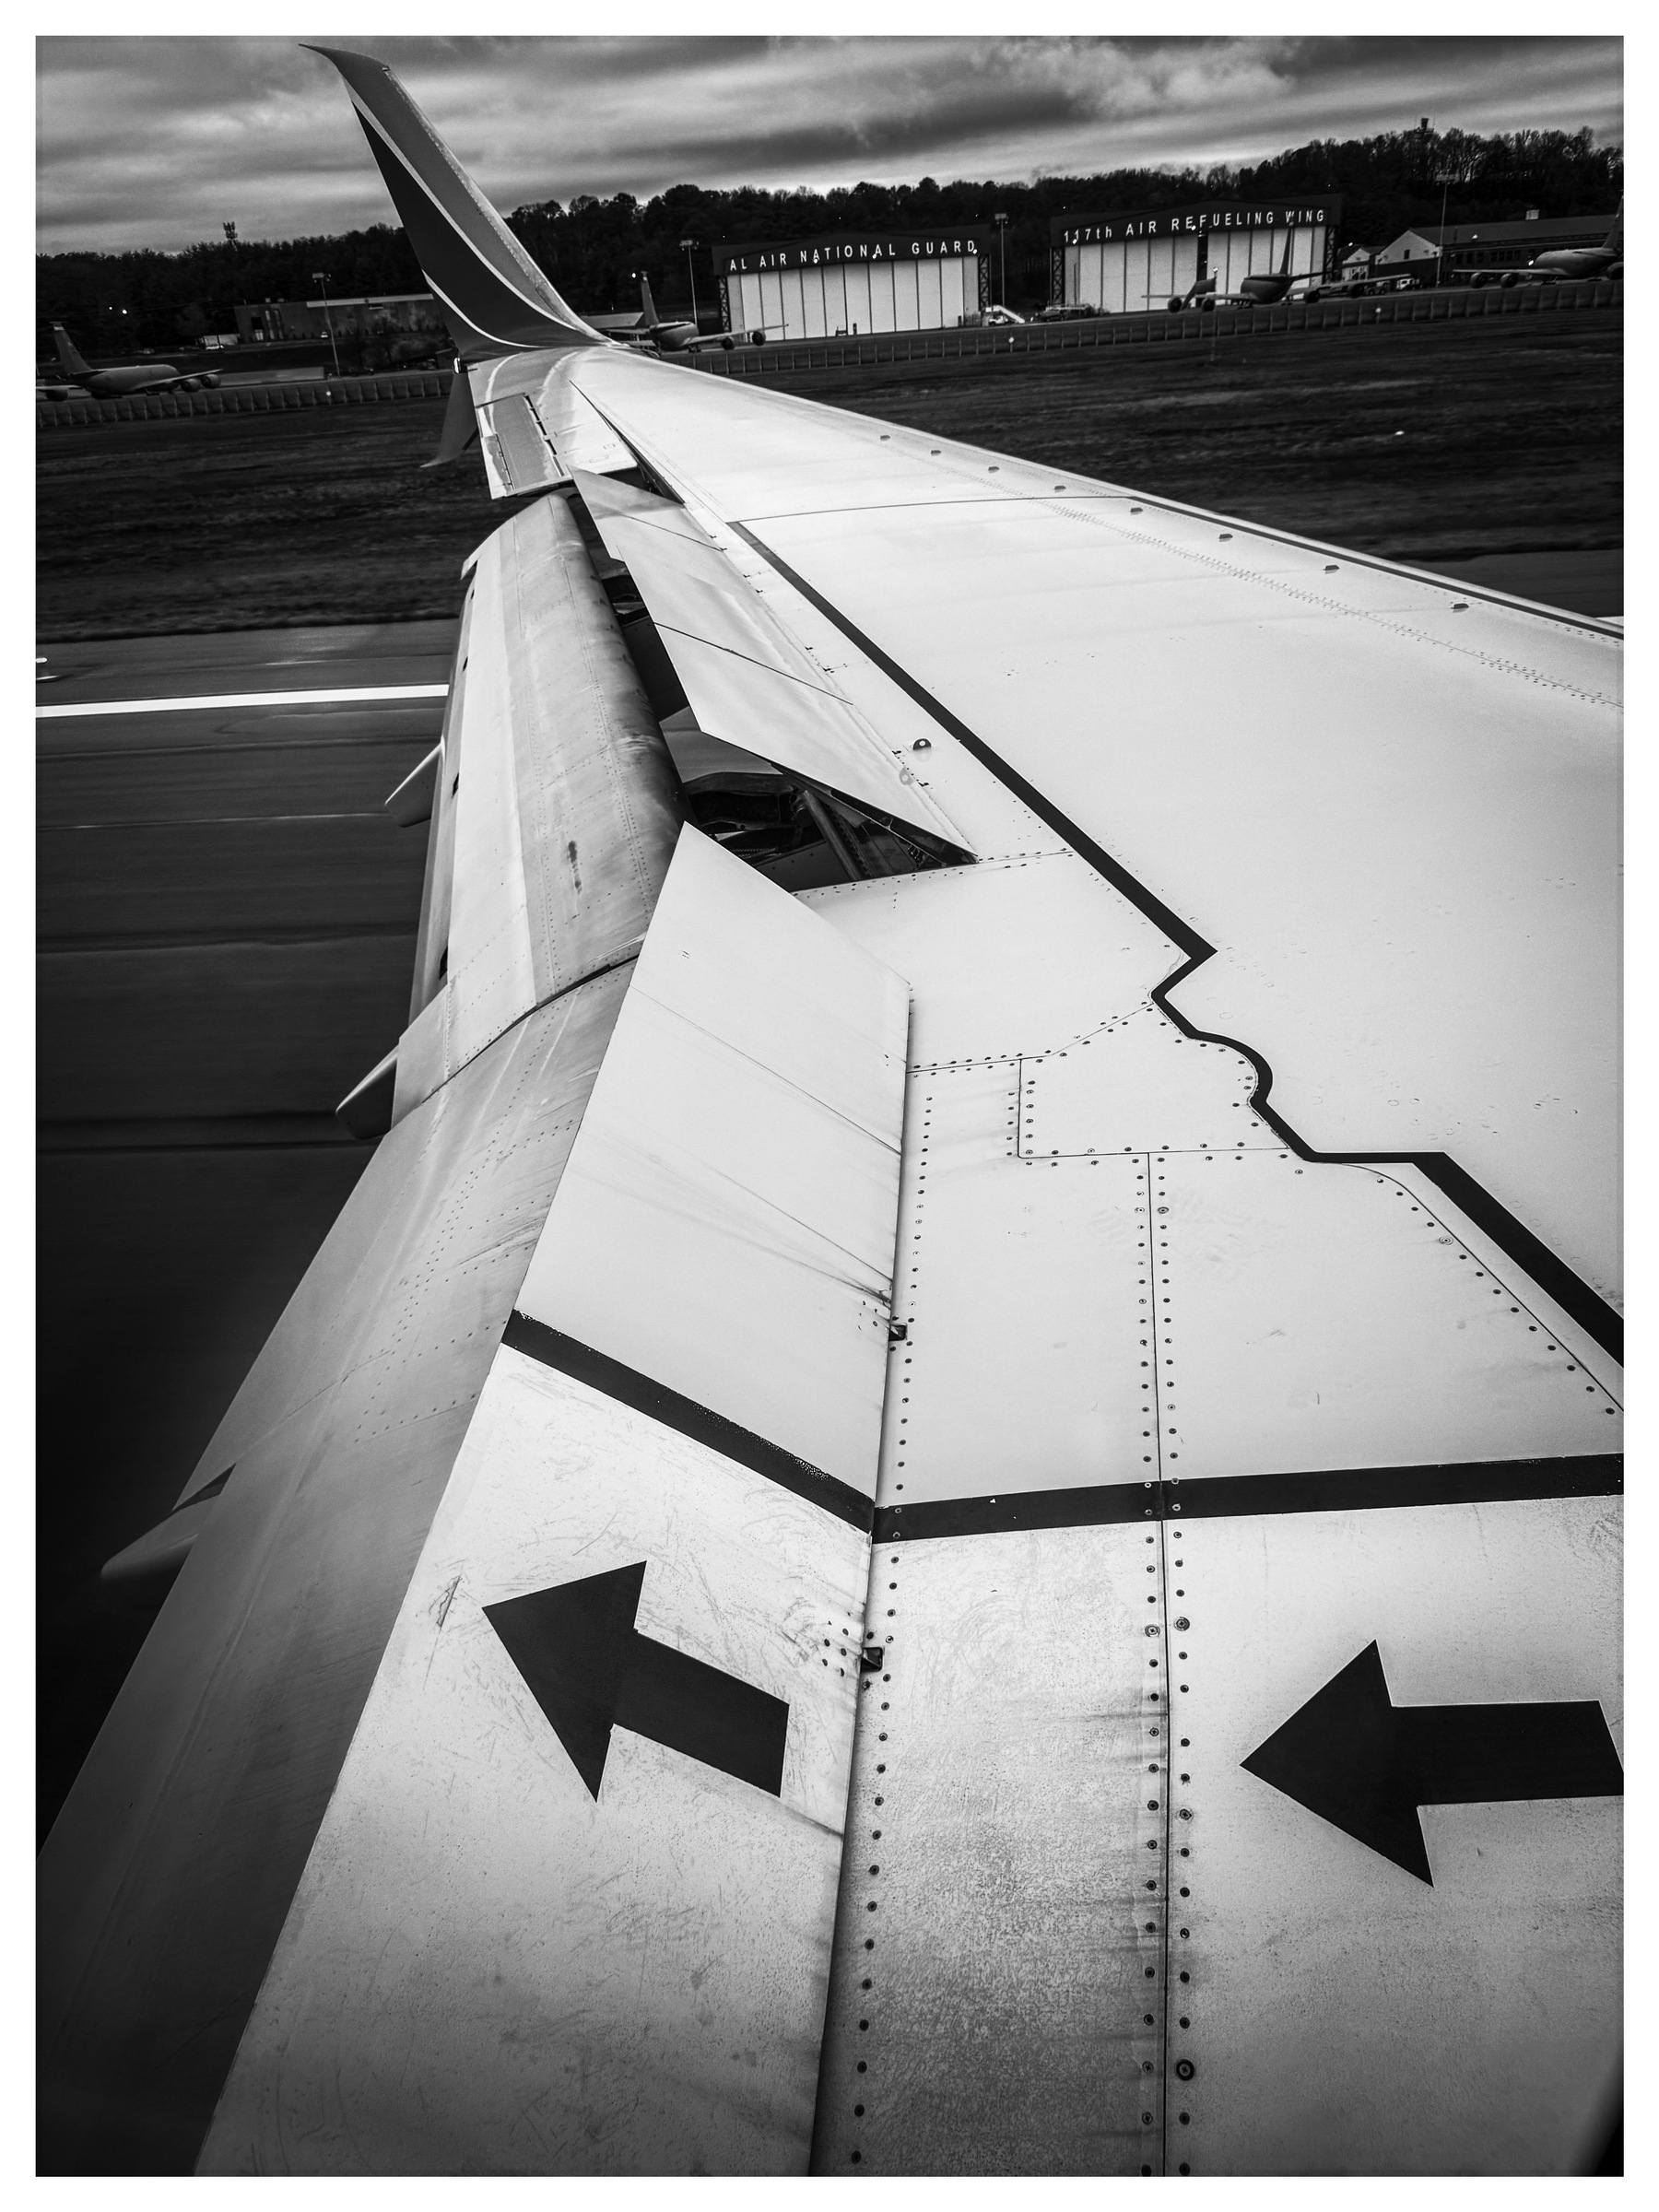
[(1431, 442)]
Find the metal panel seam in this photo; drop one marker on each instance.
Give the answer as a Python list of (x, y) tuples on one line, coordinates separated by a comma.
[(1576, 1297)]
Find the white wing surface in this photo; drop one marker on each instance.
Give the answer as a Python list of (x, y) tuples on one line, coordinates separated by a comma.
[(687, 1410), (1025, 1579)]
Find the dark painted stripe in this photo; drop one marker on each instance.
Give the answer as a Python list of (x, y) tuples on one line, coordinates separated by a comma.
[(1571, 1292), (1236, 1497), (1095, 1507), (1190, 942), (628, 1387), (1369, 1490), (1547, 1269)]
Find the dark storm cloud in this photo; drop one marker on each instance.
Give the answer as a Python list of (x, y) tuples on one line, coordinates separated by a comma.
[(156, 141)]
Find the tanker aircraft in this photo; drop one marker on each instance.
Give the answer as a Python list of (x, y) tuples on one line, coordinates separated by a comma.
[(833, 1568), (1265, 288), (1605, 260), (676, 337), (121, 383)]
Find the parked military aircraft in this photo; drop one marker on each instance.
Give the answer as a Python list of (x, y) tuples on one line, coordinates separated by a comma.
[(677, 337), (120, 383), (1605, 260), (1264, 288), (832, 1567)]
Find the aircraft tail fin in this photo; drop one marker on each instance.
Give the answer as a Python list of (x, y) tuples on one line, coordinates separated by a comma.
[(495, 300), (647, 302), (1615, 237), (67, 352)]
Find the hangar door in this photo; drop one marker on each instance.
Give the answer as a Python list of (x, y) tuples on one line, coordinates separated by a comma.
[(926, 293), (1127, 276)]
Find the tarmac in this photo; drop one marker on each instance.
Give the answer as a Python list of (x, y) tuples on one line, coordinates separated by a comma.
[(226, 934), (1584, 582)]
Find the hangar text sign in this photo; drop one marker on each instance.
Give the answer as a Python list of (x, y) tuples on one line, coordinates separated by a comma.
[(831, 253), (1181, 222)]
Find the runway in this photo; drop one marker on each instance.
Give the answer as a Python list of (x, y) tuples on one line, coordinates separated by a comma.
[(226, 932)]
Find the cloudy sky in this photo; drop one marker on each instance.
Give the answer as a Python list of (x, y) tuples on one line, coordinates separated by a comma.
[(157, 141)]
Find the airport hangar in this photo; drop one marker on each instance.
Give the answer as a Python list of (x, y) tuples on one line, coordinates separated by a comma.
[(852, 282), (1139, 258)]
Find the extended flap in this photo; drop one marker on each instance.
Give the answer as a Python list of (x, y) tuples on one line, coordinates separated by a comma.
[(600, 1785), (749, 678)]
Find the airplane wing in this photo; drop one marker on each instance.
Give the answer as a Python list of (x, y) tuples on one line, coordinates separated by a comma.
[(832, 1566)]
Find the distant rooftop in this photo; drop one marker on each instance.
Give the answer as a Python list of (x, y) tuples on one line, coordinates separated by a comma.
[(1504, 234)]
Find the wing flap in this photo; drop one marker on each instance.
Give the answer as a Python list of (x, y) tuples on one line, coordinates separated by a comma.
[(518, 456), (601, 1779), (558, 412), (696, 1245), (749, 680), (558, 792)]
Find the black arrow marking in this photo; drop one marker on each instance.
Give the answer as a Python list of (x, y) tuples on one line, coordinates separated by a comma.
[(590, 1670), (1365, 1764)]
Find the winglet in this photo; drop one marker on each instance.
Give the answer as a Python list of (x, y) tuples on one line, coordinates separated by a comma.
[(494, 298)]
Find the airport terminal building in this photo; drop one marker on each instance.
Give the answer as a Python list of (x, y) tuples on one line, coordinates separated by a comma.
[(1139, 258), (852, 282)]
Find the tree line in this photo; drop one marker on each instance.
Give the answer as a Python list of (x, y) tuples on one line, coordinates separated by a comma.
[(595, 250)]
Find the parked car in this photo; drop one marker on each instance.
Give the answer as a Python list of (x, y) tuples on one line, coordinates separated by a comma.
[(1082, 312)]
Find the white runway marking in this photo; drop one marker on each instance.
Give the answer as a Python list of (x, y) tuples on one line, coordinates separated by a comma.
[(356, 697)]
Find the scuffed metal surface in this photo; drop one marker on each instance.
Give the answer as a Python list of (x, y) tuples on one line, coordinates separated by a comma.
[(488, 1970), (491, 1966), (1002, 1868)]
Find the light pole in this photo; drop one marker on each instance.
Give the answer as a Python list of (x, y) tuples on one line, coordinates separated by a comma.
[(320, 276), (1002, 248), (688, 247), (1442, 256)]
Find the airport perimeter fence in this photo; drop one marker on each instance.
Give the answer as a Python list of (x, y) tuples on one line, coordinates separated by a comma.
[(245, 399), (781, 358)]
